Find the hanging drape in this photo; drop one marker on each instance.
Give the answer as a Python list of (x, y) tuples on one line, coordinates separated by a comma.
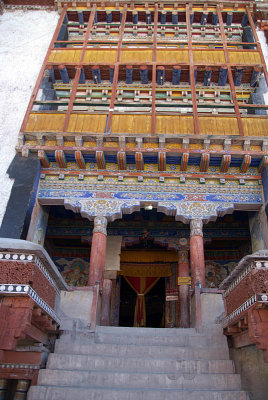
[(141, 286)]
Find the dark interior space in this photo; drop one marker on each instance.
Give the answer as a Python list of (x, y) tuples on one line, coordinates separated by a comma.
[(154, 300)]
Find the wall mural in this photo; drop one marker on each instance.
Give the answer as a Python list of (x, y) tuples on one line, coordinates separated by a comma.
[(216, 272), (73, 270)]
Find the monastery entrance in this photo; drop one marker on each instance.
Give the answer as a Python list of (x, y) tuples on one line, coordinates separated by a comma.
[(151, 312), (147, 253)]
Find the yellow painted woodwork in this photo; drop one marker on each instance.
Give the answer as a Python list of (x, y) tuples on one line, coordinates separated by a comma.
[(210, 57), (238, 147), (100, 56), (173, 145), (150, 145), (148, 256), (172, 56), (51, 143), (30, 142), (131, 123), (136, 56), (246, 57), (64, 56), (45, 122), (177, 124), (216, 147), (110, 144), (255, 126), (218, 126), (136, 270), (89, 144), (255, 148), (69, 143), (81, 123), (196, 146)]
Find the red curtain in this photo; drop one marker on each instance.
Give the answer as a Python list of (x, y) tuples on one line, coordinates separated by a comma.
[(141, 286)]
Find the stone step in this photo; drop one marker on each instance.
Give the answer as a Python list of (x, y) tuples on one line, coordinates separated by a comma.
[(120, 380), (56, 393), (174, 353), (113, 363), (180, 340), (127, 331)]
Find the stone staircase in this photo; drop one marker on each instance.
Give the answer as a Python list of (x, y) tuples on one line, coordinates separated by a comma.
[(139, 364)]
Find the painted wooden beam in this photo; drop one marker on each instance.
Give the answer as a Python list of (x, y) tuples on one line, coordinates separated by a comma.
[(121, 160), (139, 161), (225, 163), (162, 161), (245, 164), (204, 163), (100, 158), (79, 158), (60, 158), (263, 164), (184, 161), (43, 159)]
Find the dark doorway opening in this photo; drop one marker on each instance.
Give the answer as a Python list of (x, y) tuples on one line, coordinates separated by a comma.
[(155, 305)]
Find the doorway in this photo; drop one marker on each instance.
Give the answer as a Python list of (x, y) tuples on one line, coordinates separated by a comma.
[(154, 305)]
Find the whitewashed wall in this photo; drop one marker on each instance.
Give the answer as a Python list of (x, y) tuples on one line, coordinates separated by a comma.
[(265, 53), (24, 40)]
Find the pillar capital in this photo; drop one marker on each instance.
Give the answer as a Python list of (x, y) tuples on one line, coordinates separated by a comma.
[(196, 227), (100, 225)]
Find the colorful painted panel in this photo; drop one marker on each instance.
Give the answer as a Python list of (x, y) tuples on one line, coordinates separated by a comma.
[(73, 270)]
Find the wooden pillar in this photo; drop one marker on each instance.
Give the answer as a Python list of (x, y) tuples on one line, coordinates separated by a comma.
[(197, 252), (21, 390), (183, 271), (106, 302), (98, 252)]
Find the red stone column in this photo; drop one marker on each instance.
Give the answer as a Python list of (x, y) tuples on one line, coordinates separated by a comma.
[(106, 302), (183, 271), (197, 252), (98, 252)]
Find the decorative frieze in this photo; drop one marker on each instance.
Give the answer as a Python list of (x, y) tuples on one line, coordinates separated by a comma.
[(19, 366), (256, 298), (243, 274), (26, 290), (30, 258)]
